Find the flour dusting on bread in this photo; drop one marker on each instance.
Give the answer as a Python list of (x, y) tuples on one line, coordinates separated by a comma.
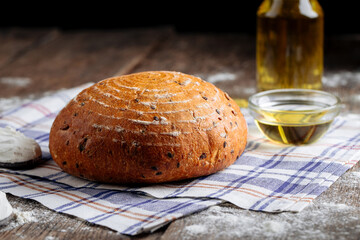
[(123, 128)]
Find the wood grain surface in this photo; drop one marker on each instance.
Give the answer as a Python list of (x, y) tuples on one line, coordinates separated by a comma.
[(43, 60)]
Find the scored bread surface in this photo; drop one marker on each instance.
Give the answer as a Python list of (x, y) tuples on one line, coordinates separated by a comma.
[(148, 127)]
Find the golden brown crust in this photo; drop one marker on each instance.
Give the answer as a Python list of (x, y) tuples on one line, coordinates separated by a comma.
[(148, 127)]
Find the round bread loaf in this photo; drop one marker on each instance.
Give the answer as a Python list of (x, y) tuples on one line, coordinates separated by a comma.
[(148, 127)]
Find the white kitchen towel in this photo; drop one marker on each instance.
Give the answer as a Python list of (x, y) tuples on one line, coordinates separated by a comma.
[(267, 177)]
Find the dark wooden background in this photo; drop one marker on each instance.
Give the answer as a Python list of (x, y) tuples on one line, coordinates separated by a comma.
[(75, 45), (341, 17)]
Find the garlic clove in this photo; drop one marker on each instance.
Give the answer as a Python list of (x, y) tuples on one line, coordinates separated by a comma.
[(18, 151)]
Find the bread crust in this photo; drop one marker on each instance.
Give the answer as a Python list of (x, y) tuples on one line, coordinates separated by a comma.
[(148, 127)]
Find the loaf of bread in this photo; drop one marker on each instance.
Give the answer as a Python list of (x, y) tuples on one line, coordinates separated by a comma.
[(148, 127)]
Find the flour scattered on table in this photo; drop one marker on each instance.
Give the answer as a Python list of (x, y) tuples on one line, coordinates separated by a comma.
[(344, 78), (50, 238), (339, 206), (219, 222), (356, 174), (16, 81), (220, 77), (23, 217), (196, 229), (274, 226), (20, 218), (226, 223)]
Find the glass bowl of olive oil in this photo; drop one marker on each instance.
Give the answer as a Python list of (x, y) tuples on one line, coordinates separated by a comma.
[(294, 116)]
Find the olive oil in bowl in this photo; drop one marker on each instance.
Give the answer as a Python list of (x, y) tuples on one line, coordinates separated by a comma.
[(294, 116), (293, 134)]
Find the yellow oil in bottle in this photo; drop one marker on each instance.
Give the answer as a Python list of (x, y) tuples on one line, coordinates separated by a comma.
[(293, 134), (289, 45)]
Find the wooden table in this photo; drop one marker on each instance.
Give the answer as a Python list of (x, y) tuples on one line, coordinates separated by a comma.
[(34, 62)]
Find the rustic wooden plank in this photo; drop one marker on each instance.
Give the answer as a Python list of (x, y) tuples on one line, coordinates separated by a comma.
[(15, 42), (43, 223), (47, 223), (78, 57), (232, 59), (333, 215), (228, 61), (342, 70), (72, 59)]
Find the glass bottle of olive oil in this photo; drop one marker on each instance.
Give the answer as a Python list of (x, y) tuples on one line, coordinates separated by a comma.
[(289, 44)]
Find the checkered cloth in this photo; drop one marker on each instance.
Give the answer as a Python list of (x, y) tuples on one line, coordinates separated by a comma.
[(267, 177)]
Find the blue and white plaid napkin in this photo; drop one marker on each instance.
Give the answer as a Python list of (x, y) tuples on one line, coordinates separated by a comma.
[(268, 177)]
